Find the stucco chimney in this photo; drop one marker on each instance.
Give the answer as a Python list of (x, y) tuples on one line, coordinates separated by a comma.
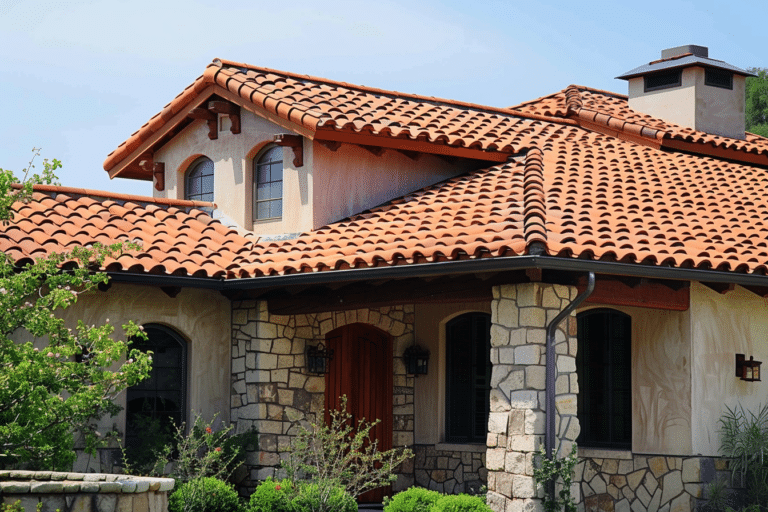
[(688, 88)]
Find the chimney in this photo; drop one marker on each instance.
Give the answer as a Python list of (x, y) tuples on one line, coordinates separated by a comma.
[(687, 88)]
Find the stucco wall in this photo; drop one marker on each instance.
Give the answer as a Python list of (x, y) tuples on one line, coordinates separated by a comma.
[(233, 156), (352, 179), (694, 104), (200, 317), (724, 325), (661, 380)]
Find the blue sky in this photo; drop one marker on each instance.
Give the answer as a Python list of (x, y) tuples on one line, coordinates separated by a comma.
[(78, 77)]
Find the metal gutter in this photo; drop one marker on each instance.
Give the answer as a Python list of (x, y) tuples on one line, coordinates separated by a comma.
[(551, 366), (448, 268)]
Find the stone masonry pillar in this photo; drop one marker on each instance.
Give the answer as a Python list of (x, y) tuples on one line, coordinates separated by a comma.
[(516, 426)]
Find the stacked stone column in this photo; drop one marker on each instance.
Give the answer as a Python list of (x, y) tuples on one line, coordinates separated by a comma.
[(516, 427)]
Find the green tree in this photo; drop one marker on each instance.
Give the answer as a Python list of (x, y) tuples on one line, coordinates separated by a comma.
[(757, 102), (61, 381)]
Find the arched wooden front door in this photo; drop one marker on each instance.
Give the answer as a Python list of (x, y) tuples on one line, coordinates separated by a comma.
[(361, 369)]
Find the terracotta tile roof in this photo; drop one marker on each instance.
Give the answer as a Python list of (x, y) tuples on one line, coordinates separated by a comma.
[(176, 237), (587, 196), (329, 110), (612, 111)]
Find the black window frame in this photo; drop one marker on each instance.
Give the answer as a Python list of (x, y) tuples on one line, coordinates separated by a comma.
[(192, 175), (674, 78), (269, 165), (468, 383), (604, 369)]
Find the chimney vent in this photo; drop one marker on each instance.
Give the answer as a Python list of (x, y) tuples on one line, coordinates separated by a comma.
[(689, 89), (697, 51)]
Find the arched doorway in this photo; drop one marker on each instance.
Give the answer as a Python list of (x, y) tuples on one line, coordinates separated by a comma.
[(361, 369)]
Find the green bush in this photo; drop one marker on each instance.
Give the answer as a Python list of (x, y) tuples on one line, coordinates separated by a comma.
[(460, 503), (745, 441), (205, 495), (272, 496), (311, 497), (414, 499), (285, 496)]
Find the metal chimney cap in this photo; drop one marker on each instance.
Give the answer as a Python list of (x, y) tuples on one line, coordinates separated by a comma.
[(697, 51)]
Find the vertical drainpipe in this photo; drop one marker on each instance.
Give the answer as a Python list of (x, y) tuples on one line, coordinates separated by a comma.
[(549, 439)]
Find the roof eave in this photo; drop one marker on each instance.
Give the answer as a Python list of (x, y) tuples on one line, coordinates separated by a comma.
[(449, 268)]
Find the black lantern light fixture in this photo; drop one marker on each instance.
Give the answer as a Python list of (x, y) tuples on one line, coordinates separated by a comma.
[(416, 360), (747, 370), (318, 358)]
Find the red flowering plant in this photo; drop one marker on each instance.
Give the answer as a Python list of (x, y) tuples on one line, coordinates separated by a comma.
[(203, 452)]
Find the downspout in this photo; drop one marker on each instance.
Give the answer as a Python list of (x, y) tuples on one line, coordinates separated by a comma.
[(549, 438)]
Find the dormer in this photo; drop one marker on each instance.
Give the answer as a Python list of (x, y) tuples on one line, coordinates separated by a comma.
[(687, 88), (280, 154)]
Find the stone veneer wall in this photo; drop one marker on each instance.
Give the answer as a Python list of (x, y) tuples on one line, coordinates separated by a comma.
[(271, 390), (84, 492), (647, 483), (449, 470), (519, 316)]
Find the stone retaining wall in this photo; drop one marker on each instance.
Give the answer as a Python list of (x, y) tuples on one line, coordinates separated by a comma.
[(84, 492), (271, 390), (647, 483)]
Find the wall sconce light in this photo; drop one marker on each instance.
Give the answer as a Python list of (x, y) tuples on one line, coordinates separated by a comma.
[(318, 359), (747, 370), (416, 360)]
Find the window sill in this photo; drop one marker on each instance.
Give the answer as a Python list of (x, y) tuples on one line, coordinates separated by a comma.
[(604, 453), (456, 447)]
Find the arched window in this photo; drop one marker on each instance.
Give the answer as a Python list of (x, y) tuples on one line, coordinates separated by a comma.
[(198, 184), (604, 368), (268, 184), (468, 378), (157, 404)]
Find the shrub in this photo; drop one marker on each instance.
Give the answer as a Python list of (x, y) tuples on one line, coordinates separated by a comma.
[(460, 503), (342, 453), (205, 495), (745, 441), (414, 499), (284, 496), (313, 497), (556, 473), (272, 496)]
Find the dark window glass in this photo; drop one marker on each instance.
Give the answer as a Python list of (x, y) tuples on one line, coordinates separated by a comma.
[(199, 181), (603, 363), (268, 186), (718, 78), (663, 80), (155, 406), (468, 378)]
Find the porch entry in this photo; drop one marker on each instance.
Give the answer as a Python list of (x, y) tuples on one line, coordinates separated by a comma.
[(361, 369)]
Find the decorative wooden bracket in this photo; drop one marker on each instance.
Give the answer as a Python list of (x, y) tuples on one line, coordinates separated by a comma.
[(156, 168), (721, 288), (171, 291), (333, 145), (227, 108), (294, 142), (375, 150), (210, 117), (413, 155)]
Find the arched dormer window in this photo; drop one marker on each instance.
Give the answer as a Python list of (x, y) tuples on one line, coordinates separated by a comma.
[(604, 368), (268, 184), (198, 182)]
